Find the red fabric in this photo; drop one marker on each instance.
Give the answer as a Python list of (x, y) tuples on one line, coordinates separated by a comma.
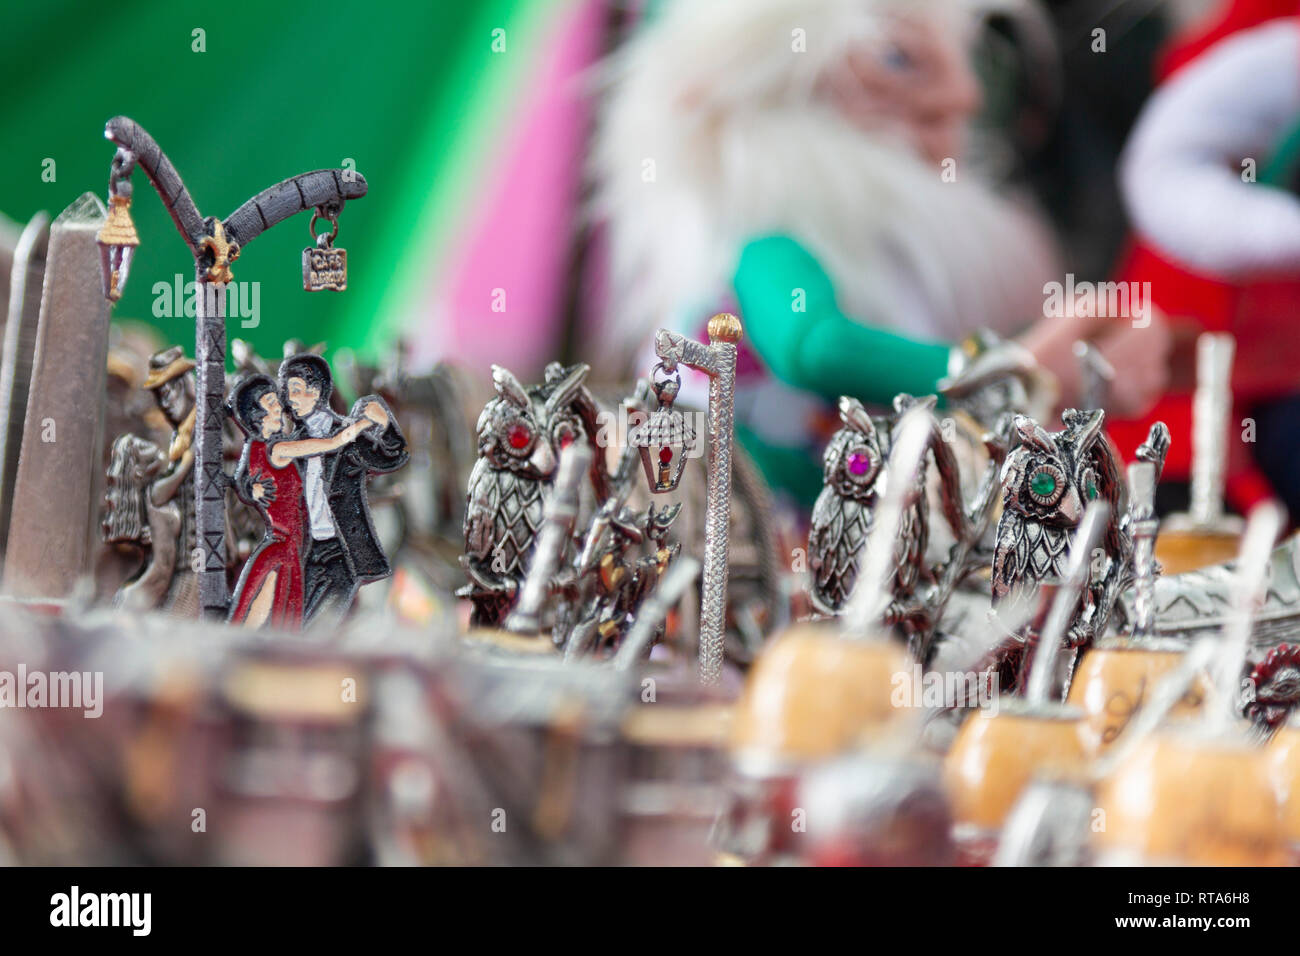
[(1261, 314), (1228, 18), (281, 551)]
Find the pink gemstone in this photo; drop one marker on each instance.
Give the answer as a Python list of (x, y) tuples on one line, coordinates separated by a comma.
[(859, 463)]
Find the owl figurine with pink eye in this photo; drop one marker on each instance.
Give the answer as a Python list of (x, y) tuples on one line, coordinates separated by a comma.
[(842, 516)]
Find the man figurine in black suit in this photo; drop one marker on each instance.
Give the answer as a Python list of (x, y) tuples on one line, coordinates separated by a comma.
[(342, 550)]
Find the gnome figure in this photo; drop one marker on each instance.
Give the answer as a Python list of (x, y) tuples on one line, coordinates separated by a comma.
[(817, 182)]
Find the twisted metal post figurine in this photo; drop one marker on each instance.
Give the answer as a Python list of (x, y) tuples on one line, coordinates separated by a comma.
[(215, 244), (718, 361), (1143, 525)]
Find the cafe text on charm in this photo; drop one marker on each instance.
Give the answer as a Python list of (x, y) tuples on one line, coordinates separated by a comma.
[(324, 269)]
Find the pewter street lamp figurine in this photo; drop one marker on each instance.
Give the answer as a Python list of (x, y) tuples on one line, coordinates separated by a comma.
[(718, 361), (215, 244)]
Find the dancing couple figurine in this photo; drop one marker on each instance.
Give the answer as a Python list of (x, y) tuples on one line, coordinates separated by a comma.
[(305, 468)]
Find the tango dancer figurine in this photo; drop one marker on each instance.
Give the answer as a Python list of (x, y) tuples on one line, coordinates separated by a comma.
[(306, 467), (215, 244), (271, 586)]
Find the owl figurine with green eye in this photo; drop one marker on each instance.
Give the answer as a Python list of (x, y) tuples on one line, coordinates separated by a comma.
[(855, 471), (1047, 481)]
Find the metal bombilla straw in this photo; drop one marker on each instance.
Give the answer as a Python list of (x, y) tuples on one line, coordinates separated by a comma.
[(680, 576), (1049, 825), (1142, 477), (1263, 526), (1211, 408), (1212, 404), (1043, 668), (1189, 769), (872, 592), (557, 526)]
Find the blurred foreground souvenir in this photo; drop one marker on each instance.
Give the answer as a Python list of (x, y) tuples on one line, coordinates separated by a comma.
[(1118, 673), (1201, 793), (995, 754), (818, 691)]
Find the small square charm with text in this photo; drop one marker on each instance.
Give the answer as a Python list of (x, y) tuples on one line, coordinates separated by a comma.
[(324, 269)]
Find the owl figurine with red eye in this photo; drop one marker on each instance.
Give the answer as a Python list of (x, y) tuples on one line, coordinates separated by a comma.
[(521, 433), (853, 466)]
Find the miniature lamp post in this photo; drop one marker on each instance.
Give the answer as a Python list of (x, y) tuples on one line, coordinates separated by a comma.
[(215, 244), (664, 441)]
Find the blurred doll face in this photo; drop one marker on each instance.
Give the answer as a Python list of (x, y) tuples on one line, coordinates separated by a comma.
[(915, 82)]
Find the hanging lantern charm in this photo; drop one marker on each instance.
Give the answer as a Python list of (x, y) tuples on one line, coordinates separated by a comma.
[(117, 238), (325, 266), (665, 439)]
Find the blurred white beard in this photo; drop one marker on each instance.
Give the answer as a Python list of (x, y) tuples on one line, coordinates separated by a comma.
[(742, 151), (904, 249)]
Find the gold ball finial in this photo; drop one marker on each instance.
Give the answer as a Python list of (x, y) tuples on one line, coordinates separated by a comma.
[(725, 327)]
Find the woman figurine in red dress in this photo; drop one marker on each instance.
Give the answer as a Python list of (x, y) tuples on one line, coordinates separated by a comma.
[(270, 588)]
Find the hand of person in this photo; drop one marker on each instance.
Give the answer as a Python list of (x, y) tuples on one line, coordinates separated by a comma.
[(263, 488), (1051, 341), (375, 412), (357, 427), (1140, 357)]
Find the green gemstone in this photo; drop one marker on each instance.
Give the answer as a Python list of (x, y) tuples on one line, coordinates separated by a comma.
[(1092, 491), (1042, 484)]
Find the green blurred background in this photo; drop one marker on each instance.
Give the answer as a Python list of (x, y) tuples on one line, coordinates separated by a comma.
[(411, 91)]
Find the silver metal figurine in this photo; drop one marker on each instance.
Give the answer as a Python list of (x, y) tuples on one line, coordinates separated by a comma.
[(521, 433), (718, 361), (214, 244), (1142, 477)]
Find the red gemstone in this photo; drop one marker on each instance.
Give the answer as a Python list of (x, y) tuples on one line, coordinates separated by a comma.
[(859, 463), (665, 455), (519, 436)]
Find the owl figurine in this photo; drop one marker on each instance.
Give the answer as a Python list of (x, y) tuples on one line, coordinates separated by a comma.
[(1047, 481), (520, 435), (842, 515)]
